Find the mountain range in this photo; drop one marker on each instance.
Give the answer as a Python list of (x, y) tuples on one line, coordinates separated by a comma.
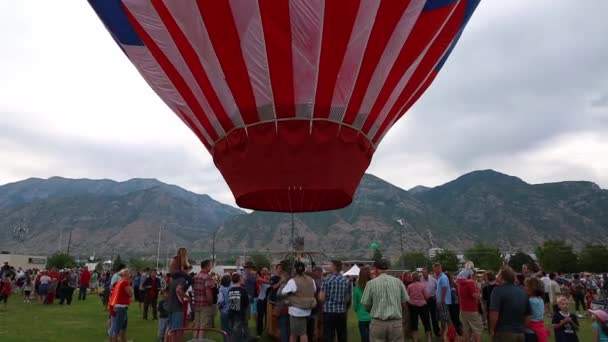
[(105, 216)]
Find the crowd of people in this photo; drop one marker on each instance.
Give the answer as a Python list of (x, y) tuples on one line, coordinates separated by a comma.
[(313, 304), (46, 286)]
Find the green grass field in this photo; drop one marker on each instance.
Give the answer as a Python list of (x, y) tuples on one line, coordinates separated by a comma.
[(86, 321)]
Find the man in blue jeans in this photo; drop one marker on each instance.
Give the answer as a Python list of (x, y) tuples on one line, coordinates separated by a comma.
[(336, 293), (175, 306)]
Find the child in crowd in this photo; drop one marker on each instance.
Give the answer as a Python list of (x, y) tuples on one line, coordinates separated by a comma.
[(163, 316), (536, 331), (600, 325), (565, 324), (27, 288), (238, 310), (222, 302), (179, 267)]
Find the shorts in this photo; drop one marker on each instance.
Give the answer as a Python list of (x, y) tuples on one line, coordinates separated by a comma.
[(297, 325), (204, 317), (546, 298), (176, 320), (27, 293), (43, 290), (119, 321), (253, 305), (471, 323), (442, 312)]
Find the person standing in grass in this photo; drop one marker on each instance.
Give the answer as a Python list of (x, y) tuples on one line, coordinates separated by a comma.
[(150, 294), (363, 315), (554, 293), (536, 331), (600, 325), (222, 302), (238, 310), (43, 288), (85, 281), (336, 293), (27, 287), (468, 295), (509, 309), (5, 290), (163, 316), (565, 324), (417, 307), (119, 304), (301, 291), (204, 309), (385, 298), (443, 296)]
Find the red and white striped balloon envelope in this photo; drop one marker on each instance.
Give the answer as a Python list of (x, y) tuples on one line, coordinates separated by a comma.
[(291, 97)]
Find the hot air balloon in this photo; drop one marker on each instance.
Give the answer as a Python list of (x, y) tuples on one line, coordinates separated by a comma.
[(290, 97)]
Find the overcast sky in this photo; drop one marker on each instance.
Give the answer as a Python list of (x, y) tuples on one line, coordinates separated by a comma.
[(525, 93)]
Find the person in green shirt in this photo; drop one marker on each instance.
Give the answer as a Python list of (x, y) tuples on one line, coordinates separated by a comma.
[(385, 298), (362, 314)]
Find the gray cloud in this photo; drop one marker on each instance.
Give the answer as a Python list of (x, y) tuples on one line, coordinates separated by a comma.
[(76, 157), (516, 80)]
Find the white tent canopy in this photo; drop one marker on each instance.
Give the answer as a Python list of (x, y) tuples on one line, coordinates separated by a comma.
[(354, 271)]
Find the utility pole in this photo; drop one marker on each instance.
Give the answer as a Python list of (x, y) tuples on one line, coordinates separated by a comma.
[(60, 236), (69, 242), (160, 229), (402, 224), (213, 246)]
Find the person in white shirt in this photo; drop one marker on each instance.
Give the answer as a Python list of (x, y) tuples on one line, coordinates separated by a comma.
[(301, 290), (547, 282), (431, 288)]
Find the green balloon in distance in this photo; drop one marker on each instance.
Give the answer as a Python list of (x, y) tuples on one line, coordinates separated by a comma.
[(374, 245)]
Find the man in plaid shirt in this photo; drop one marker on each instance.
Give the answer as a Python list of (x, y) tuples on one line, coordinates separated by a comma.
[(336, 293), (204, 309)]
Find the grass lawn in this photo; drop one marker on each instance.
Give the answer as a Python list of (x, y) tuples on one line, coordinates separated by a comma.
[(86, 321)]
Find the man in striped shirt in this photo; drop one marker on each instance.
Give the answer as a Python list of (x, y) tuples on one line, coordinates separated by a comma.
[(336, 293), (385, 298)]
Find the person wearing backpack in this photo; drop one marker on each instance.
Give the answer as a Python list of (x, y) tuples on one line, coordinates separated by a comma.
[(301, 291)]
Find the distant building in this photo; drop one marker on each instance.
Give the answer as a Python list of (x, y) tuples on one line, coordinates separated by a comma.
[(24, 261), (434, 251)]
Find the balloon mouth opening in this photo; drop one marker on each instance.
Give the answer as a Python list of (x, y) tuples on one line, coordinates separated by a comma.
[(298, 201), (289, 166)]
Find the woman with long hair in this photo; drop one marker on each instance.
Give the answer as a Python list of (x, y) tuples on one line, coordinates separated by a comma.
[(180, 263), (179, 266), (363, 316)]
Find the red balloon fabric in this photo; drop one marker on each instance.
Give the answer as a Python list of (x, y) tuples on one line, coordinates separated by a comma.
[(291, 97)]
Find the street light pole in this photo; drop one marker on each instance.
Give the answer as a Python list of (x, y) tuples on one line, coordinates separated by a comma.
[(69, 242), (402, 224), (160, 229), (213, 246)]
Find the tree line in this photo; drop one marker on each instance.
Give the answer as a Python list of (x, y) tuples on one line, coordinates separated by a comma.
[(553, 256)]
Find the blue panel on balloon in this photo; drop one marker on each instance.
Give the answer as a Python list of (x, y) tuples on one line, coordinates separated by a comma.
[(115, 19)]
